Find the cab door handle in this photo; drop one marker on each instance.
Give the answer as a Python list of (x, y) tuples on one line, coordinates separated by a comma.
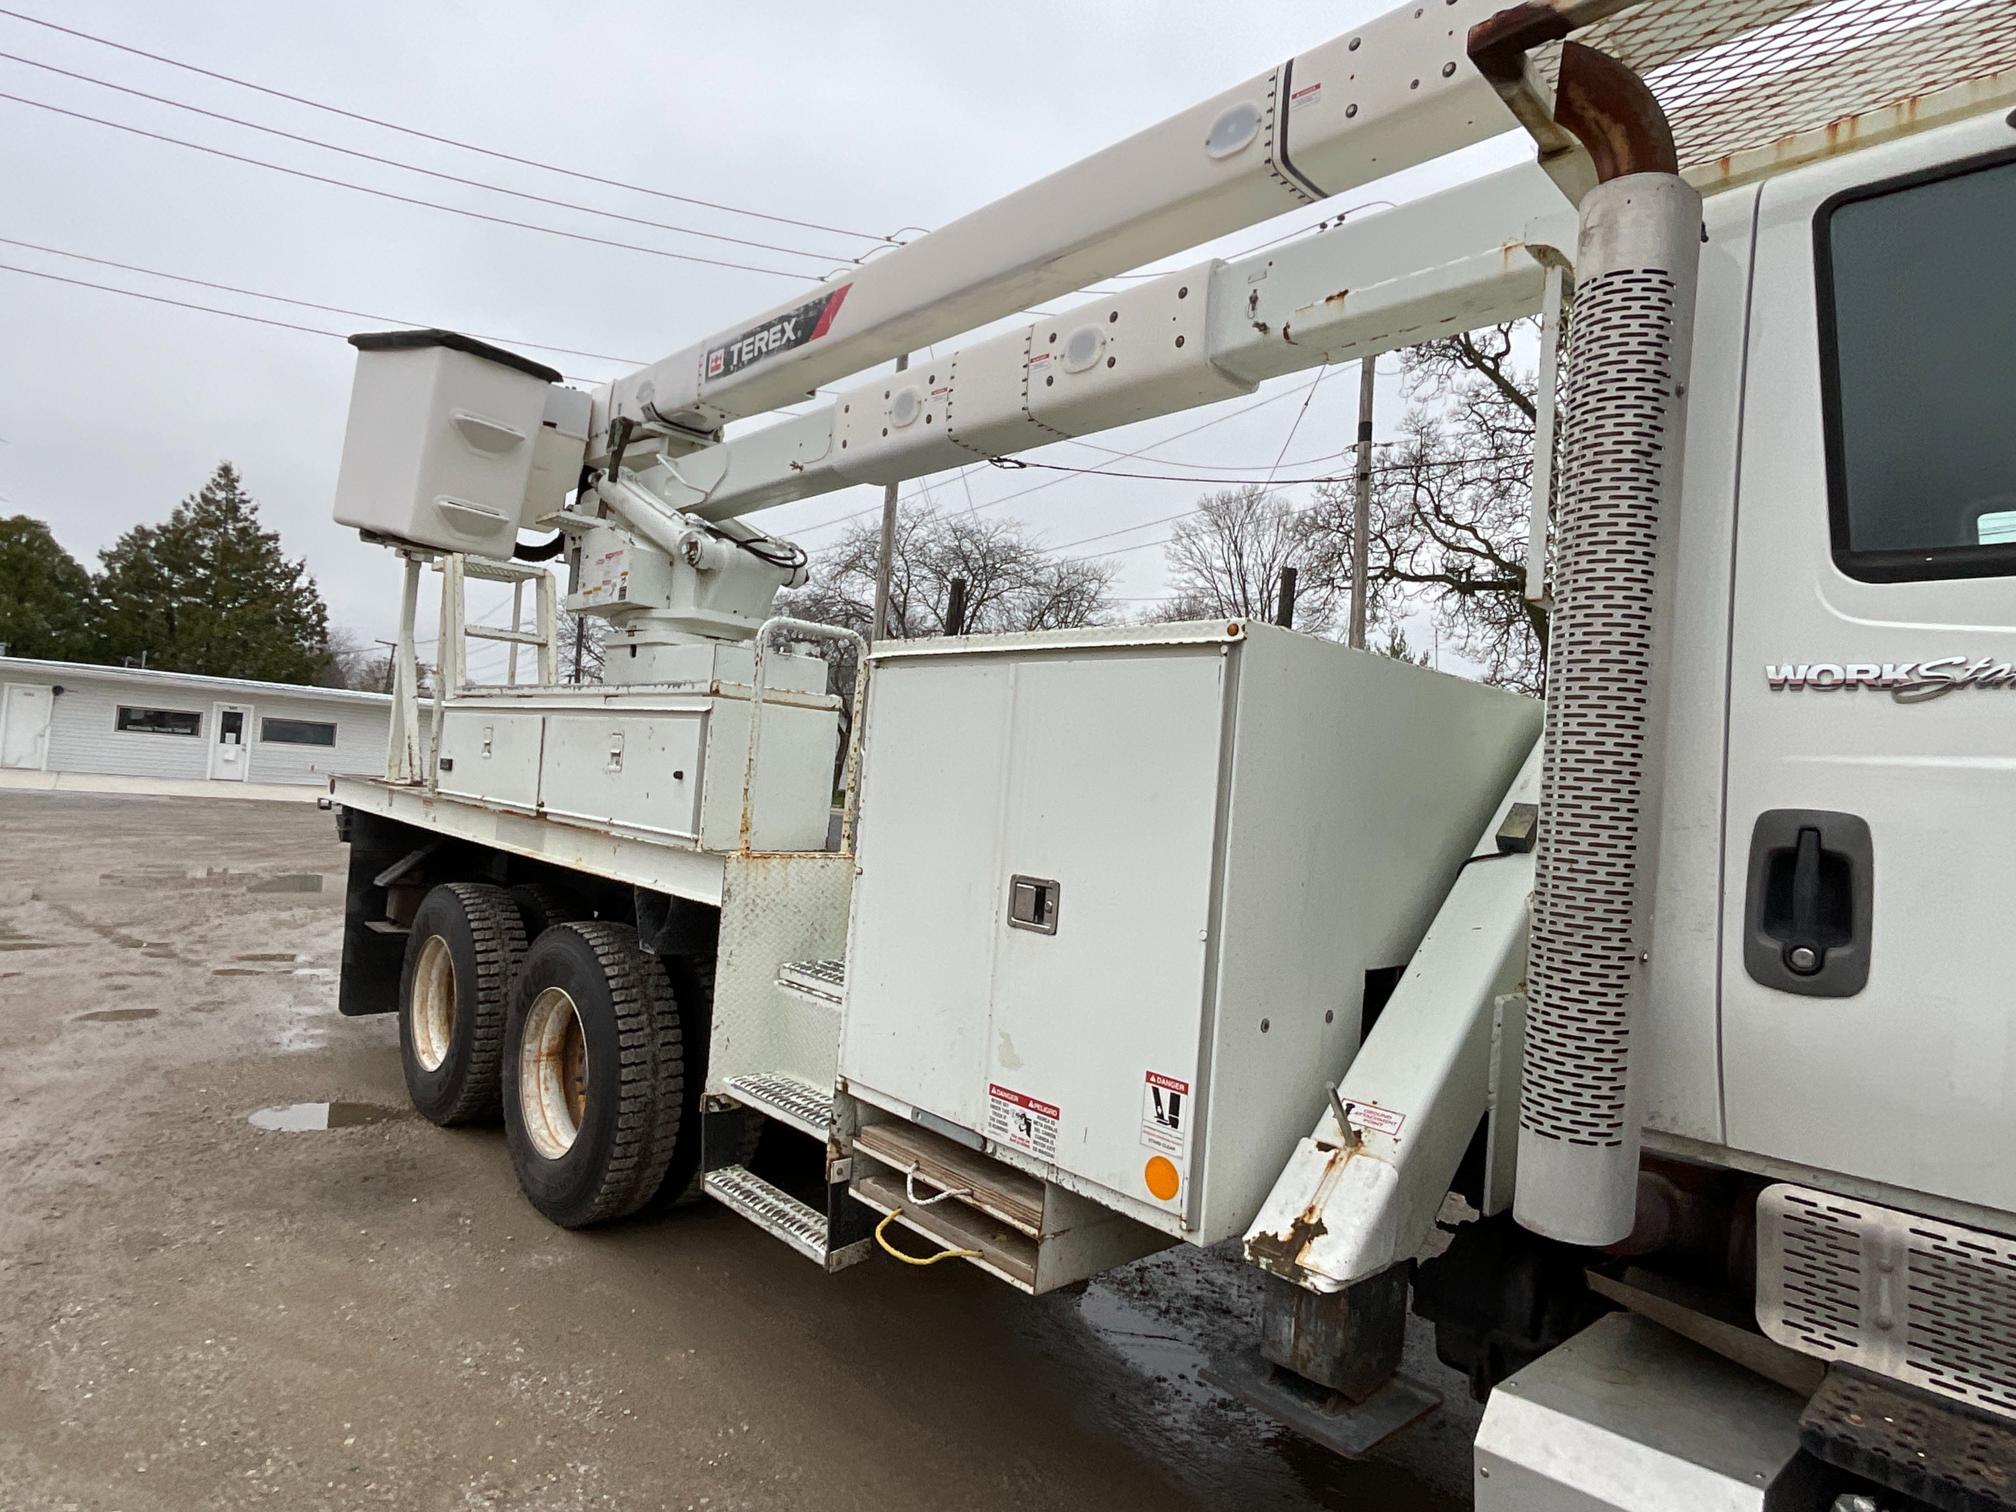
[(1807, 915)]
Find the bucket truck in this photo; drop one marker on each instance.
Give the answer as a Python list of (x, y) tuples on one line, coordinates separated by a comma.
[(1653, 1047)]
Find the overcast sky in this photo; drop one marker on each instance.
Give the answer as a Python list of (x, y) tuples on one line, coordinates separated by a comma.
[(871, 119)]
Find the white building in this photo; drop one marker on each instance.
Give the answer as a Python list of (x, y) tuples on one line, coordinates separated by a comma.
[(71, 725)]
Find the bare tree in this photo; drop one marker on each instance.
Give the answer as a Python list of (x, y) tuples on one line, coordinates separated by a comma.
[(348, 661), (1011, 582), (581, 641), (1226, 560), (1451, 505)]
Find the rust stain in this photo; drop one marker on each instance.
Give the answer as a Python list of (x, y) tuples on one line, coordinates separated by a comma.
[(1284, 334), (1262, 327), (1282, 1253), (1338, 298), (1285, 1252)]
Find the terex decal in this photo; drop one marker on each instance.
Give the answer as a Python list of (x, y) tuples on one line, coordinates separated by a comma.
[(781, 333)]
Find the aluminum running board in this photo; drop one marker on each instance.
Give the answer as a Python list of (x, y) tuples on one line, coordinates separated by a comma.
[(822, 981), (797, 1104), (782, 1216)]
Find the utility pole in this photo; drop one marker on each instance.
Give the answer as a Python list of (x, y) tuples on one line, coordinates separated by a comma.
[(1361, 509), (880, 624), (391, 662), (955, 608), (1284, 600)]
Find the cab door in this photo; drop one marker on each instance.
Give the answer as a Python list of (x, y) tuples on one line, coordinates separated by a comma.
[(1868, 954)]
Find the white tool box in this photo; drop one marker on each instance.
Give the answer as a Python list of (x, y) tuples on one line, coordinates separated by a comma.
[(1120, 890)]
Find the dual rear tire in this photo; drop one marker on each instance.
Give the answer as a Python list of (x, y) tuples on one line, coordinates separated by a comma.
[(578, 1038)]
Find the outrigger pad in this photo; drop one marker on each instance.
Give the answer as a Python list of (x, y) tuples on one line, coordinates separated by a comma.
[(1351, 1429)]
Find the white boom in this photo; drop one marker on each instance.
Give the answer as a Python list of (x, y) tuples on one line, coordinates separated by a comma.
[(1395, 92), (1453, 261)]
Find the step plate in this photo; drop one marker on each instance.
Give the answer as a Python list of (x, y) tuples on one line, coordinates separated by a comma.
[(804, 1107), (826, 980), (1944, 1456), (771, 1209)]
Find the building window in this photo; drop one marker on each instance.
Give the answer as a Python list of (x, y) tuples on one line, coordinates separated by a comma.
[(297, 732), (159, 721), (1917, 307)]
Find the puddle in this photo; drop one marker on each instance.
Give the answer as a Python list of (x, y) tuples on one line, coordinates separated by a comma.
[(266, 955), (239, 971), (27, 944), (312, 1117), (117, 1015)]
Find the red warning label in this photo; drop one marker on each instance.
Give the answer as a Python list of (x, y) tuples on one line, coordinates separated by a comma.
[(1023, 1122)]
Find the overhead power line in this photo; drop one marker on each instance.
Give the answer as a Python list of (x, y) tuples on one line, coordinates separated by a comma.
[(1396, 467), (451, 178), (428, 136), (183, 304), (1231, 414), (1017, 464), (406, 199), (306, 304)]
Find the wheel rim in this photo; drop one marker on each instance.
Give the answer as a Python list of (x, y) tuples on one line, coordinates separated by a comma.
[(553, 1073), (433, 1007)]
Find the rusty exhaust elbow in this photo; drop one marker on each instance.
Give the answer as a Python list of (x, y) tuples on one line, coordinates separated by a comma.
[(1614, 114), (1599, 101)]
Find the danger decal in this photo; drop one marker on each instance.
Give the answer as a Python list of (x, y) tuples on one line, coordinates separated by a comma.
[(780, 333), (1166, 1114), (1026, 1123)]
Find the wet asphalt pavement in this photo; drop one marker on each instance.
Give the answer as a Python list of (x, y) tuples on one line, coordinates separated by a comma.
[(305, 1310)]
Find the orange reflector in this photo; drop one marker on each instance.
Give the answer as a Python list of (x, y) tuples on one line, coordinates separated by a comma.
[(1162, 1178)]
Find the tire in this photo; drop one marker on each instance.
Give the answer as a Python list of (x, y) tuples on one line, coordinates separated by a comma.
[(454, 996), (598, 1107), (541, 905)]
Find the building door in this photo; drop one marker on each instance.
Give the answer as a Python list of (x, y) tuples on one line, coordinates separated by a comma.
[(230, 741), (24, 726)]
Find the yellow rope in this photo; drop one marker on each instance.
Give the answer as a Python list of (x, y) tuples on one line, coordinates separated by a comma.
[(882, 1238)]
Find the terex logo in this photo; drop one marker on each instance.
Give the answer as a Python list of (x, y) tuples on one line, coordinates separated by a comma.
[(780, 333), (1907, 682)]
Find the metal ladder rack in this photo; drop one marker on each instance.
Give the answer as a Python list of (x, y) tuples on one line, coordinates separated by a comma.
[(406, 747), (456, 632)]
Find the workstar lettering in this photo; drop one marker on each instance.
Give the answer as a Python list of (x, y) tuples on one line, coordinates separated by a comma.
[(780, 333), (1907, 682)]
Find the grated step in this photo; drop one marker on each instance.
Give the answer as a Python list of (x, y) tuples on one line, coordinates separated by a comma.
[(805, 1107), (770, 1208), (824, 980)]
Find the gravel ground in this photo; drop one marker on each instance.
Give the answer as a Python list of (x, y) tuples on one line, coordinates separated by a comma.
[(202, 1313)]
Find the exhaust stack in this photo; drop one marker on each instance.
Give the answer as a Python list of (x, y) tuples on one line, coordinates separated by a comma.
[(1635, 269)]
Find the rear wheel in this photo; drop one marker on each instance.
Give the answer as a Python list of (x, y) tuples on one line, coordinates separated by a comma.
[(541, 905), (597, 1106), (464, 946)]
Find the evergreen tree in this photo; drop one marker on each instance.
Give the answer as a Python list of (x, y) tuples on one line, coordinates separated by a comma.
[(209, 591), (45, 597)]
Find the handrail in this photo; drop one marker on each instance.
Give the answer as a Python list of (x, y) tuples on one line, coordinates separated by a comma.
[(810, 630)]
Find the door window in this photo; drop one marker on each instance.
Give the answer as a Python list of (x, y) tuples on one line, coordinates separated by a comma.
[(1918, 343)]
